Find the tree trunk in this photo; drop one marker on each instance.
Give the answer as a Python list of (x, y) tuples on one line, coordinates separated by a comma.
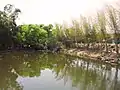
[(88, 46), (116, 42), (117, 49), (106, 47)]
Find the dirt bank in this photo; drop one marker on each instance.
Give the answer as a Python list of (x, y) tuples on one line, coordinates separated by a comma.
[(110, 58)]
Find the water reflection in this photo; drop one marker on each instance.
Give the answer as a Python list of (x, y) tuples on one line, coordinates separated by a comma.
[(84, 75)]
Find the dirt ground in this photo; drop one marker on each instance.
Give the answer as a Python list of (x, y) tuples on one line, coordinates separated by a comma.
[(111, 58)]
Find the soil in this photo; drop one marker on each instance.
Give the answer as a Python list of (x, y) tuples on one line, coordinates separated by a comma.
[(110, 58)]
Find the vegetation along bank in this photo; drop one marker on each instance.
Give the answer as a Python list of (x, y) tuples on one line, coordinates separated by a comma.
[(96, 38)]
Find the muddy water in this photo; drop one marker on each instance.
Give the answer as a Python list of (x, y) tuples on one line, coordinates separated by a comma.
[(43, 71)]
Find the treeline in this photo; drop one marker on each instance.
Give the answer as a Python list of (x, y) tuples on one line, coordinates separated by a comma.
[(96, 33), (24, 36)]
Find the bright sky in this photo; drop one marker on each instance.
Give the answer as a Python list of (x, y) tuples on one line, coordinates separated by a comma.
[(51, 11)]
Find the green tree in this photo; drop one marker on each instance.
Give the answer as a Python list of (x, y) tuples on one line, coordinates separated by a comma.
[(102, 27), (114, 19)]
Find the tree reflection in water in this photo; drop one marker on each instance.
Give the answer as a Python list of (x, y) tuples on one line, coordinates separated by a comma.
[(84, 75)]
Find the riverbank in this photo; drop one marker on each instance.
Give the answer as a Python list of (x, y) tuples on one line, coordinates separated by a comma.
[(109, 58)]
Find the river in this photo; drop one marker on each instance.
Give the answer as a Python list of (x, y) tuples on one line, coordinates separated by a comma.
[(46, 71)]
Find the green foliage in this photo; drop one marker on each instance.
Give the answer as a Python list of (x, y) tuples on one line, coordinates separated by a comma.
[(35, 35), (85, 31), (8, 25)]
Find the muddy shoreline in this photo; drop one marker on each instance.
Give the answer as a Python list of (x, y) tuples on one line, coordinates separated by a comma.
[(108, 58)]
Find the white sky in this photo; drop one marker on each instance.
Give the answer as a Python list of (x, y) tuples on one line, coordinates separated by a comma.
[(51, 11)]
